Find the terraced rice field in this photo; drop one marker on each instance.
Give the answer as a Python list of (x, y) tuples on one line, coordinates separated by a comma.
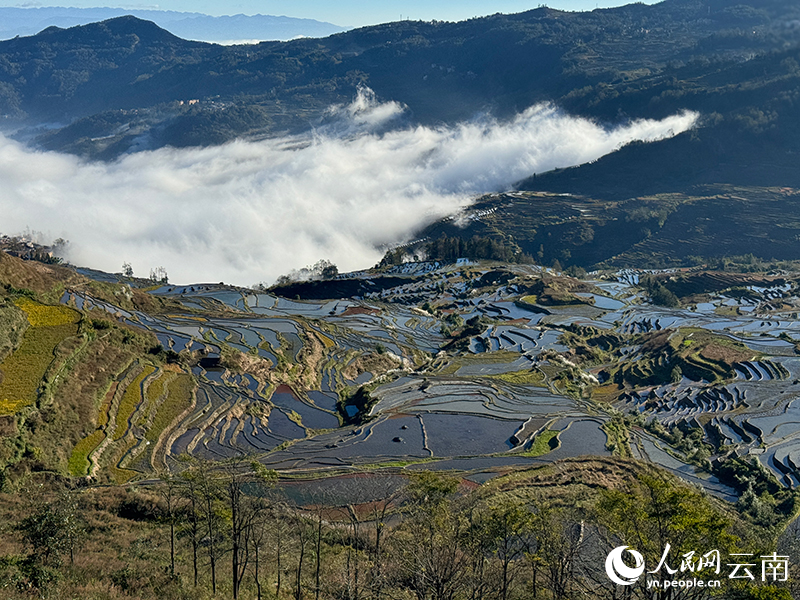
[(275, 377)]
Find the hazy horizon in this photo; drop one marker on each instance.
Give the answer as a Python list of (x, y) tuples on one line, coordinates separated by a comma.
[(348, 13)]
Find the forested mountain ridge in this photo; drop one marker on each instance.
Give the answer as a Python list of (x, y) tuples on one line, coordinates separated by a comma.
[(442, 71)]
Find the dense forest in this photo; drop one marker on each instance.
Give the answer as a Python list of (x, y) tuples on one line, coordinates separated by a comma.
[(451, 249)]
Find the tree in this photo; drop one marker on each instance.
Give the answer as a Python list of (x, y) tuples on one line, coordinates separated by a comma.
[(351, 540), (505, 527), (246, 511), (553, 549), (206, 512), (239, 519), (365, 540), (575, 271), (210, 494), (658, 293), (191, 493), (127, 270), (159, 275), (429, 489), (170, 493), (52, 530), (382, 496), (303, 536), (431, 560), (658, 514), (477, 542), (330, 271), (318, 548), (269, 532)]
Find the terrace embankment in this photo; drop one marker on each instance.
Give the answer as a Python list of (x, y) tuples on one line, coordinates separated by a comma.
[(337, 288), (668, 355), (550, 290), (685, 285)]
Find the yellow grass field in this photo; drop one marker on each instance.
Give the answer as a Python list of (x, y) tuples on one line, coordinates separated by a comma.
[(24, 369)]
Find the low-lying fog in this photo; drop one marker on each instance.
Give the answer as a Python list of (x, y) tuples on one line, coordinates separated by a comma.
[(247, 212)]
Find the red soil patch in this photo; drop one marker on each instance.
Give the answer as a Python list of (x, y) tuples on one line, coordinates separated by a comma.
[(285, 389)]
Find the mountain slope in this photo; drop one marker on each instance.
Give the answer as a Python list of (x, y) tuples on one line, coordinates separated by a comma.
[(73, 72), (443, 72)]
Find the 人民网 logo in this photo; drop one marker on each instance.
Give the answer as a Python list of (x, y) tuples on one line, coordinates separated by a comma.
[(618, 571)]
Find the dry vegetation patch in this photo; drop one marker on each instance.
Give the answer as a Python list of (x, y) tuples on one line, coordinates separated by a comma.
[(550, 290), (130, 400), (85, 394), (35, 276), (179, 391), (573, 479), (13, 324), (375, 363)]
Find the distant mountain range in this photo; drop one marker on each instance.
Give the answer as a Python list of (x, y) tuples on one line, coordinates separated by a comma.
[(191, 26)]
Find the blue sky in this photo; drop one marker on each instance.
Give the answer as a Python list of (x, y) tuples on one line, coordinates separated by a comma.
[(343, 12)]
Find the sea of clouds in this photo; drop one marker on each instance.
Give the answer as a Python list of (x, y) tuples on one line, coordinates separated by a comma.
[(247, 212)]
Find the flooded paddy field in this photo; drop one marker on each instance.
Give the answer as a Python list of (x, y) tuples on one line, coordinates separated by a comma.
[(462, 366)]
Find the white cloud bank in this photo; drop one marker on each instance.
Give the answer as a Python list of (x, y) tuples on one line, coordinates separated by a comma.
[(250, 211)]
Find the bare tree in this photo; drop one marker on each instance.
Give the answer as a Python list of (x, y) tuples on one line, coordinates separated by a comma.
[(303, 535), (247, 510), (191, 494), (559, 539), (353, 543), (431, 560), (382, 496), (170, 492), (266, 526), (205, 505), (500, 529)]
